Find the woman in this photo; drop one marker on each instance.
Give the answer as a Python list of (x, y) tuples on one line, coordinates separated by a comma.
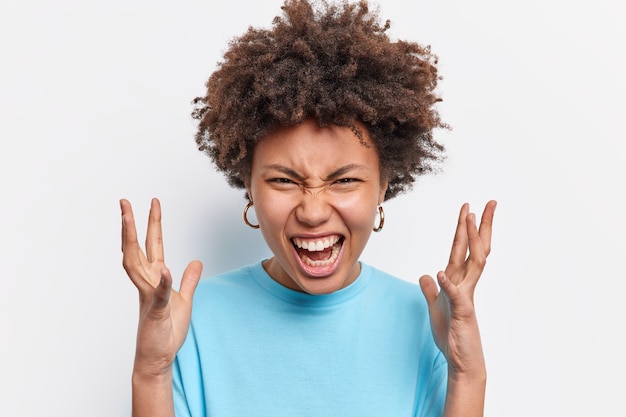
[(320, 119)]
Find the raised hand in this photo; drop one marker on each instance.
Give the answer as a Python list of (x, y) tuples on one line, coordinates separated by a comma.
[(452, 314), (164, 314)]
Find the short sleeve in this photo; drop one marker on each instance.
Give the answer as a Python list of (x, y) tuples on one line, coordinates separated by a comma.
[(432, 393), (188, 387), (181, 408)]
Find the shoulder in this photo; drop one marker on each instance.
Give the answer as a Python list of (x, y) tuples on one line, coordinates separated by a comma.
[(390, 281), (397, 304), (234, 283), (228, 277), (395, 290)]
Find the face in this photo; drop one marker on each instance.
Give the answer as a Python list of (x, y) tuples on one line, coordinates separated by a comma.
[(316, 193)]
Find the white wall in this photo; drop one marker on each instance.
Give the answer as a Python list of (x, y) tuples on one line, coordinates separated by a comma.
[(94, 106)]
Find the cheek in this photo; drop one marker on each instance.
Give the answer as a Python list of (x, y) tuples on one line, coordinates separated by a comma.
[(273, 211), (358, 212)]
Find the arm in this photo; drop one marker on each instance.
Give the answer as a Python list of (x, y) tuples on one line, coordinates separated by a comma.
[(164, 314), (453, 317)]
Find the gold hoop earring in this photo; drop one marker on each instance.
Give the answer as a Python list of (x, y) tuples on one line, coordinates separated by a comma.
[(245, 216), (381, 222)]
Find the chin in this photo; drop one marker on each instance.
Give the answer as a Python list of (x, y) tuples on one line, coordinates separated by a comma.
[(320, 286)]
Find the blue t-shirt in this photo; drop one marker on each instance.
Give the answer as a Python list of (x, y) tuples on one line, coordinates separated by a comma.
[(257, 348)]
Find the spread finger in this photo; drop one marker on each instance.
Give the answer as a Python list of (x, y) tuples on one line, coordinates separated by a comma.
[(154, 235)]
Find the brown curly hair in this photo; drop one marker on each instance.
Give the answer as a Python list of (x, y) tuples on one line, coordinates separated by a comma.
[(335, 64)]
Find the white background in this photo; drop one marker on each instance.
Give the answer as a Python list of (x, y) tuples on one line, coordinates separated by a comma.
[(94, 106)]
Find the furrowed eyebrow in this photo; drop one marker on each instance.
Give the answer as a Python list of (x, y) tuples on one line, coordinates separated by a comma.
[(333, 175), (344, 170), (287, 171)]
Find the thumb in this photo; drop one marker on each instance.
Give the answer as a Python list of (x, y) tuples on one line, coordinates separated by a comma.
[(429, 288), (190, 279)]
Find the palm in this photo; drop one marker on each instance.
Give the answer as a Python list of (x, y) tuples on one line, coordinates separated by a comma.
[(452, 313), (164, 314)]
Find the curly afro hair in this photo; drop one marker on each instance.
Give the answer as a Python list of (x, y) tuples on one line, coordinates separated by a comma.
[(335, 64)]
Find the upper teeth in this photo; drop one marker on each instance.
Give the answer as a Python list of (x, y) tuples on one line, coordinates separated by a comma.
[(316, 245)]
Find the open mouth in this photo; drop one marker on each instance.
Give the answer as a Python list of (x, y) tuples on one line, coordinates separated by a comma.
[(320, 252)]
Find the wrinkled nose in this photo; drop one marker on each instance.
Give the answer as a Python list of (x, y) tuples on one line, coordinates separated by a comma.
[(313, 209)]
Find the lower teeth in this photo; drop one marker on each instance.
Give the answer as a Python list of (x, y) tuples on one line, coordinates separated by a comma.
[(333, 257)]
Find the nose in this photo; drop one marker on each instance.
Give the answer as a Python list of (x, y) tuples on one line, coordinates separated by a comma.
[(313, 208)]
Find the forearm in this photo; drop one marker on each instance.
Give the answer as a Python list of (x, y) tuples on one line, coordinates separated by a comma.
[(152, 395), (465, 396)]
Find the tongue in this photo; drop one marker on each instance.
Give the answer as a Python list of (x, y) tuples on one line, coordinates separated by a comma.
[(319, 255)]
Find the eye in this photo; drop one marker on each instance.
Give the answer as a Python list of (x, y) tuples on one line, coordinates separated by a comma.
[(283, 183), (281, 180), (346, 184), (347, 181)]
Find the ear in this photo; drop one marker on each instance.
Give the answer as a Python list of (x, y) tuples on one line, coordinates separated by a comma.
[(248, 190), (383, 190)]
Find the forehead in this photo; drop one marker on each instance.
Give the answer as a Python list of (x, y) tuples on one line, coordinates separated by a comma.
[(308, 147)]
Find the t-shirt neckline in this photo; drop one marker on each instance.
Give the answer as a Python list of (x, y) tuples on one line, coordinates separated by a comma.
[(309, 300)]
